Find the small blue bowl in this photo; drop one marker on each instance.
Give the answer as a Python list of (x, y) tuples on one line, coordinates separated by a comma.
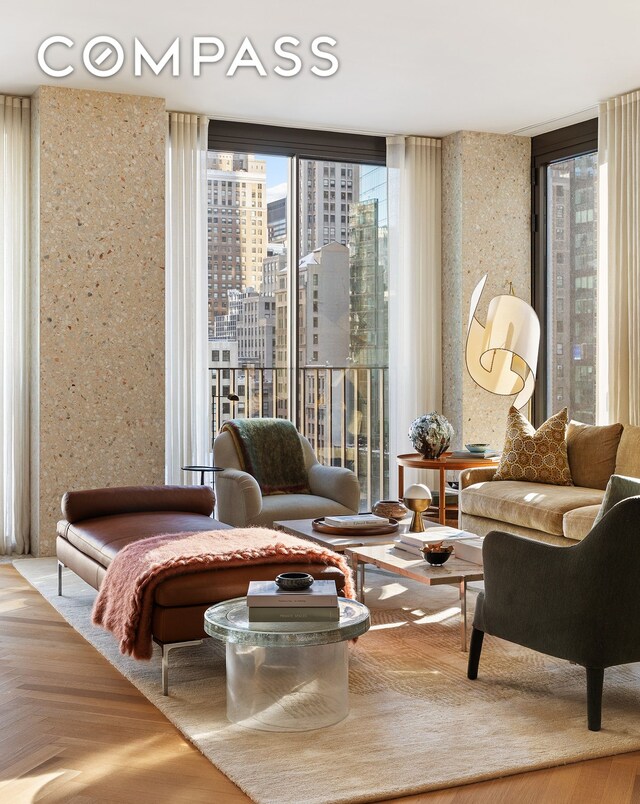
[(477, 447)]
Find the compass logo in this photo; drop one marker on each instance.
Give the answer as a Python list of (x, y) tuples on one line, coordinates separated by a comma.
[(104, 56)]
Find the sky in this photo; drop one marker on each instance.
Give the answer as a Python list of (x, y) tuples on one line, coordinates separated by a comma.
[(277, 175)]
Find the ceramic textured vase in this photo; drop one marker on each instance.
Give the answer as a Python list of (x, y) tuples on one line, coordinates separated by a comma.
[(389, 509), (431, 434)]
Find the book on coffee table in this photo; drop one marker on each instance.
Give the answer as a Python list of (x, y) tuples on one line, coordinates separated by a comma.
[(267, 593), (469, 549), (355, 521), (290, 614), (414, 542)]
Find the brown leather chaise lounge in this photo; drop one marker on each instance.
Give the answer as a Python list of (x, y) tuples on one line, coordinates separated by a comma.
[(98, 523)]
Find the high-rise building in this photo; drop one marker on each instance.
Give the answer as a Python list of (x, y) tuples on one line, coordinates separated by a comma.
[(225, 325), (323, 306), (256, 330), (224, 380), (237, 226), (368, 245), (323, 340), (326, 190), (572, 297), (277, 220), (273, 263)]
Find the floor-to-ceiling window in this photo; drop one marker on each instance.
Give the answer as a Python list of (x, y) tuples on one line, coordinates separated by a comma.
[(297, 276), (565, 270)]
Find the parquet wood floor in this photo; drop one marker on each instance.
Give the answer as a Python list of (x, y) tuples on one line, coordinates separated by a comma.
[(73, 730)]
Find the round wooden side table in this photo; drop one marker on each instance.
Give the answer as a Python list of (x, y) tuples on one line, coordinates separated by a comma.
[(445, 463)]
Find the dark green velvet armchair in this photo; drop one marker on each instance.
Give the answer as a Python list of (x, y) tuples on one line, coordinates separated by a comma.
[(579, 603)]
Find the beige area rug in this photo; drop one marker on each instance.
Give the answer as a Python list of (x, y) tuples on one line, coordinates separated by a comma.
[(416, 723)]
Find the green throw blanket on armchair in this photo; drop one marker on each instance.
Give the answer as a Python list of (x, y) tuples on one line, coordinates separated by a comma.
[(270, 450)]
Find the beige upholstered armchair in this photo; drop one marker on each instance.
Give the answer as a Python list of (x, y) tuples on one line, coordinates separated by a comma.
[(240, 499)]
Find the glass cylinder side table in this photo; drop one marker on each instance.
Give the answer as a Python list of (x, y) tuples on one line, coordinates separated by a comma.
[(286, 676)]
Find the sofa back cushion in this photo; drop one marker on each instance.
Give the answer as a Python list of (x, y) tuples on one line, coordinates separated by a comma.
[(592, 453), (538, 456), (628, 457)]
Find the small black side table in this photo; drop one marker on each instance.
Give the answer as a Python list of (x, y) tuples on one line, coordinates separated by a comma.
[(202, 470)]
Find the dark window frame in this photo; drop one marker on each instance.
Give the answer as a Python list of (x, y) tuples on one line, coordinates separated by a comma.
[(328, 146), (553, 146)]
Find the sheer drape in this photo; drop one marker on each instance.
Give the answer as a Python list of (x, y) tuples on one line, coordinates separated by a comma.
[(619, 253), (415, 354), (188, 438), (14, 323)]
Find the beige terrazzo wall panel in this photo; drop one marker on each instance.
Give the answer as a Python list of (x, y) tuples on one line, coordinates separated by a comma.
[(101, 188), (486, 186)]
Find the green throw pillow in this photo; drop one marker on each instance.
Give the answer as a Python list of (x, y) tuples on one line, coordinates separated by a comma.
[(618, 488)]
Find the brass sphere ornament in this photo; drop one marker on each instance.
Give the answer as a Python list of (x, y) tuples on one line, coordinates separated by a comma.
[(417, 498)]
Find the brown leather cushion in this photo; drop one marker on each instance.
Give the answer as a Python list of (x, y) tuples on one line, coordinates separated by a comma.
[(101, 538), (91, 503)]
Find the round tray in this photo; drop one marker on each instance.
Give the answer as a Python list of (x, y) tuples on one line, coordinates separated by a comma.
[(373, 530)]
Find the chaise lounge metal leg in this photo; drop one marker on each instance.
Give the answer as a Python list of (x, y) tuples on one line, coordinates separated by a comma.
[(165, 648), (60, 568)]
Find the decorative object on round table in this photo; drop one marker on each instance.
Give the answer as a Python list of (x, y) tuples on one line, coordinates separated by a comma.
[(431, 434), (294, 581), (370, 530), (390, 509), (477, 448), (436, 554), (417, 498)]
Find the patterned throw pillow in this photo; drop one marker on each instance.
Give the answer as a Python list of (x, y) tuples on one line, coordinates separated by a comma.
[(538, 456)]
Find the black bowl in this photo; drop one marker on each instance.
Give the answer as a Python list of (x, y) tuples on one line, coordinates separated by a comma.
[(437, 557), (294, 581)]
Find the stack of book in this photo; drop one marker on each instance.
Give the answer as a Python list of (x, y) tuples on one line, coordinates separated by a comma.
[(267, 603), (466, 455), (469, 549), (414, 542), (355, 521)]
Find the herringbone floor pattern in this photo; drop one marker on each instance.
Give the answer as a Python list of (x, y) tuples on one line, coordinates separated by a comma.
[(72, 729)]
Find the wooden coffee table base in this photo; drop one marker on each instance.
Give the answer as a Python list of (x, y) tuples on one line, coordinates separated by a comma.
[(389, 558)]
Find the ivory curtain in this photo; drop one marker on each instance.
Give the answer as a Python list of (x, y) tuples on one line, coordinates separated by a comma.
[(415, 352), (619, 255), (188, 439), (14, 323)]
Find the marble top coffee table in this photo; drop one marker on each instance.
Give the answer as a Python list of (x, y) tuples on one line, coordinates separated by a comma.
[(286, 676), (390, 558)]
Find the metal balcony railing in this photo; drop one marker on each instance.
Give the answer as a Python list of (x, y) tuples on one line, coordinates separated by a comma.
[(343, 411)]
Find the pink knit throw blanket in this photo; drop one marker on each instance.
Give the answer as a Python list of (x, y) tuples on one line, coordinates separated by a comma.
[(125, 601)]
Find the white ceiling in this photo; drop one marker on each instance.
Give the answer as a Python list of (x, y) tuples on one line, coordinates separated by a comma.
[(410, 66)]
